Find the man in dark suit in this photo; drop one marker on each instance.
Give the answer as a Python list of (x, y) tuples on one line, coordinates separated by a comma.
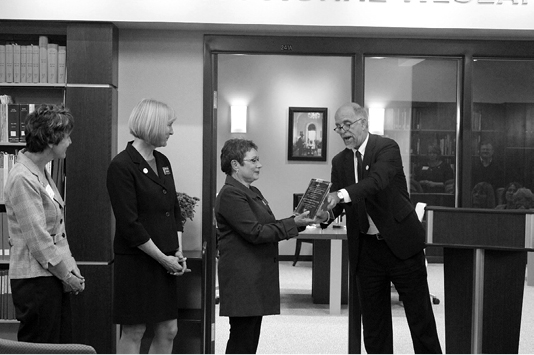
[(385, 237)]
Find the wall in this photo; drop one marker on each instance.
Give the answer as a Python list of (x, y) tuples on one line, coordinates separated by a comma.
[(269, 85), (503, 81), (424, 14), (167, 66)]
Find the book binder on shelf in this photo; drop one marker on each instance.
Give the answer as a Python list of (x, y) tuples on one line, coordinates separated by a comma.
[(61, 64), (29, 64), (23, 64), (52, 63), (13, 123), (36, 63), (43, 59), (2, 63), (16, 63), (24, 110), (5, 237), (9, 63)]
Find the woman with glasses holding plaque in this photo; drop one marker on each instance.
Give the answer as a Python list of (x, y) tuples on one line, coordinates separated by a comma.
[(248, 236)]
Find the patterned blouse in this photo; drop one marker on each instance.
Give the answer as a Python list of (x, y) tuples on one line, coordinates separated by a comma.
[(36, 222)]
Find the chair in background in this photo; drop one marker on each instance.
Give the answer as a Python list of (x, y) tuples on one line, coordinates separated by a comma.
[(298, 245), (297, 249), (22, 347), (500, 196)]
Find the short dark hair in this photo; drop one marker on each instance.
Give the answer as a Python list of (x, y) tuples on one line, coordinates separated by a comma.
[(485, 142), (47, 124), (434, 148), (235, 149)]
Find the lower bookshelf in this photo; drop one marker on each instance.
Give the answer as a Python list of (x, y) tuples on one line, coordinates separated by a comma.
[(9, 329)]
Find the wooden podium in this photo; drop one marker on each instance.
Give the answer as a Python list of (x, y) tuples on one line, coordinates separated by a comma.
[(485, 256)]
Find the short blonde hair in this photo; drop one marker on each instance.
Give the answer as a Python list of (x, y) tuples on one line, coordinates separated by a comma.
[(149, 119)]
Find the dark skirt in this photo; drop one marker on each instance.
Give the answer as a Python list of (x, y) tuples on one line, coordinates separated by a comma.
[(144, 292)]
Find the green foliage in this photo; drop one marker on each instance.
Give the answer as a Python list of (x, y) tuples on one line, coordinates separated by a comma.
[(187, 205)]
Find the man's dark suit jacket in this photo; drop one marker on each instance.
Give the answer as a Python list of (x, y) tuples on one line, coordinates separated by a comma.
[(145, 204), (386, 198)]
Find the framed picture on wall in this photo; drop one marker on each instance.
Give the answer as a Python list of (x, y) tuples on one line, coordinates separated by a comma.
[(307, 133)]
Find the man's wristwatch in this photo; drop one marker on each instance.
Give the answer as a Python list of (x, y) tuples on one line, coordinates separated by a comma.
[(340, 196)]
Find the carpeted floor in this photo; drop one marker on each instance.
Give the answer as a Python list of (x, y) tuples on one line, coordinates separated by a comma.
[(307, 328)]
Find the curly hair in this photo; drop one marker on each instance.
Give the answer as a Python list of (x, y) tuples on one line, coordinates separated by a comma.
[(47, 124), (235, 149), (484, 188)]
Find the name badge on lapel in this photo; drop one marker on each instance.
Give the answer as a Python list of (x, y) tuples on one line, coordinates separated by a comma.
[(166, 170), (49, 191)]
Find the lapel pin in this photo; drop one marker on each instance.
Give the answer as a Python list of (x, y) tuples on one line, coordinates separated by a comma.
[(145, 170), (367, 167)]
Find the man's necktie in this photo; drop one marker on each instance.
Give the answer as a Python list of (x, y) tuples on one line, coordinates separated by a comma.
[(362, 211)]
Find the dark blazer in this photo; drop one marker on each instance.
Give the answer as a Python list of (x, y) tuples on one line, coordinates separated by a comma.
[(386, 197), (248, 236), (145, 204)]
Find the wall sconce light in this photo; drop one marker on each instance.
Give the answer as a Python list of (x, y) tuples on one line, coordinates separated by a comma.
[(238, 115), (376, 120)]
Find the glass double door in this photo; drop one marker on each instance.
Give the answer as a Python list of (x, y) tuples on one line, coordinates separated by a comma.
[(487, 149), (462, 122), (415, 102)]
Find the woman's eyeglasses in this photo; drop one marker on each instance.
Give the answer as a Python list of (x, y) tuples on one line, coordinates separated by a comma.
[(253, 160)]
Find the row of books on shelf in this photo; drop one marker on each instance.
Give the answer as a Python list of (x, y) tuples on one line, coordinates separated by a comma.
[(446, 143), (7, 161), (412, 118), (35, 63), (55, 168), (12, 120), (7, 309), (476, 121), (398, 118)]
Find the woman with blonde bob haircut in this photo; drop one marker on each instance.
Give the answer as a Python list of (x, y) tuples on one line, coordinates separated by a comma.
[(148, 233), (152, 131)]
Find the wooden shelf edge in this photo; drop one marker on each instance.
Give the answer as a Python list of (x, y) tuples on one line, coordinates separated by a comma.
[(34, 85)]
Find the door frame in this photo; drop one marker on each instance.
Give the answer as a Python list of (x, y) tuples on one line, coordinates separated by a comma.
[(357, 48)]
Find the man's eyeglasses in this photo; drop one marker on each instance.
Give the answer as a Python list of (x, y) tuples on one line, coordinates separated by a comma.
[(253, 160), (346, 126)]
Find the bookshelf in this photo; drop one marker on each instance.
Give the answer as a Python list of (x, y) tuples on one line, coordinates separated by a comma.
[(90, 92), (488, 124), (509, 127), (19, 99), (417, 125)]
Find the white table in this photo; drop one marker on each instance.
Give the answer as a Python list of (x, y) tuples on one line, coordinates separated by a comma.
[(336, 237)]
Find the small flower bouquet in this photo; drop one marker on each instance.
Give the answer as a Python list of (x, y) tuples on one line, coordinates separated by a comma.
[(187, 205)]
